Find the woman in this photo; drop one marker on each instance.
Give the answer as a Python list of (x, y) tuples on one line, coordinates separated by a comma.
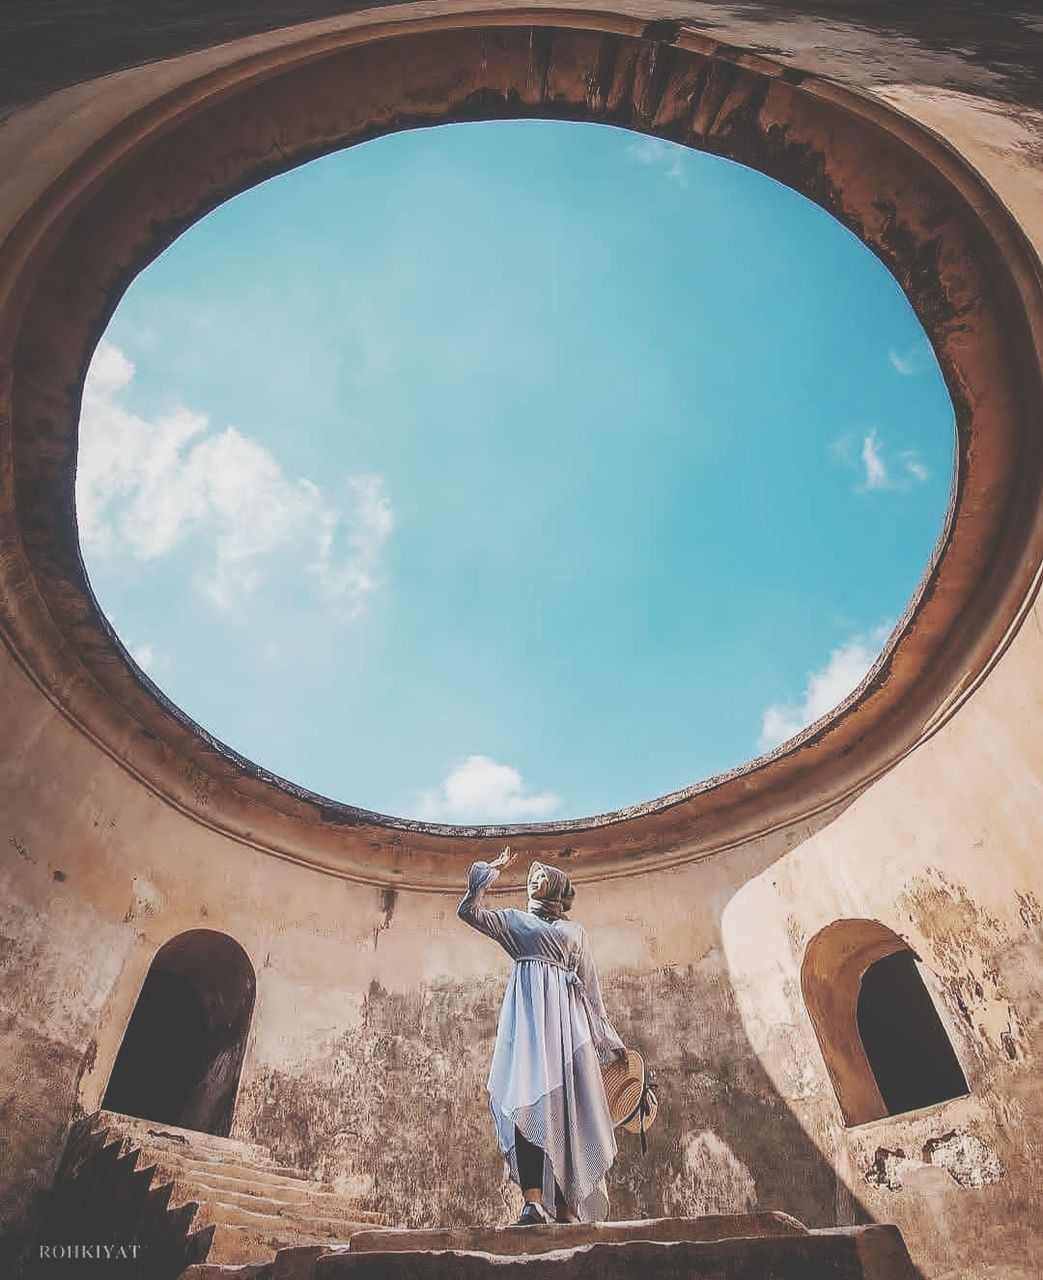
[(545, 1088)]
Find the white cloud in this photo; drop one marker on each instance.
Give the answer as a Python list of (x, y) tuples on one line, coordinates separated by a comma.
[(825, 688), (877, 471), (913, 465), (915, 359), (145, 656), (349, 573), (667, 156), (145, 487), (481, 790)]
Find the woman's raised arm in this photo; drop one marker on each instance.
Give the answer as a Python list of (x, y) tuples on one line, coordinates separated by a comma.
[(472, 911)]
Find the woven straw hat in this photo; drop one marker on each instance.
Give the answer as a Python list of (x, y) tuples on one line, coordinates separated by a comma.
[(625, 1083)]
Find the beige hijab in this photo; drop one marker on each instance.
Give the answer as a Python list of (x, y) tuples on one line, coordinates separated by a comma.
[(557, 898)]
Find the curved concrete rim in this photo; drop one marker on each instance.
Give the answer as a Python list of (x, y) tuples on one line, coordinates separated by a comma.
[(213, 124)]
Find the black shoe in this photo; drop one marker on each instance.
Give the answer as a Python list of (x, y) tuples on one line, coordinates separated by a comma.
[(533, 1215)]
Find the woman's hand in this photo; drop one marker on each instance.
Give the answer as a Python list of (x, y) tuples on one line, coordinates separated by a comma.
[(505, 859)]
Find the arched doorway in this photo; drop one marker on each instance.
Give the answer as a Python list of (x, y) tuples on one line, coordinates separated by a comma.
[(908, 1050), (884, 1045), (183, 1048)]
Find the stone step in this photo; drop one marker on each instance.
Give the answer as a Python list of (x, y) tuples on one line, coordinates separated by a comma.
[(153, 1133), (169, 1145), (508, 1241), (182, 1158), (206, 1159), (217, 1183), (296, 1264), (251, 1175), (858, 1253), (790, 1253), (217, 1159), (222, 1271), (325, 1204), (236, 1243), (223, 1163), (289, 1264), (291, 1224), (246, 1204)]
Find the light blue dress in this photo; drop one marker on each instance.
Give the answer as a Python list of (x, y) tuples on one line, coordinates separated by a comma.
[(552, 1037)]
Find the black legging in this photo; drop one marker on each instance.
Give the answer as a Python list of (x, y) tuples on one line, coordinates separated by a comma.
[(530, 1168)]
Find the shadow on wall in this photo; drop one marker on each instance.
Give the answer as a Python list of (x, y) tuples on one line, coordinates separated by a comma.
[(397, 1113), (395, 1110), (727, 1141)]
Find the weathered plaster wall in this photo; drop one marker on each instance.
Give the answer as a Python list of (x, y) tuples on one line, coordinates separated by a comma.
[(384, 1092), (944, 851), (960, 44), (376, 1012), (376, 1009)]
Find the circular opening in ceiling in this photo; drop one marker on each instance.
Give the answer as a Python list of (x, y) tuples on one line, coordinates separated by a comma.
[(511, 472)]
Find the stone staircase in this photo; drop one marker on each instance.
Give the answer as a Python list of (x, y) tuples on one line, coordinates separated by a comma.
[(208, 1208), (206, 1198), (764, 1246)]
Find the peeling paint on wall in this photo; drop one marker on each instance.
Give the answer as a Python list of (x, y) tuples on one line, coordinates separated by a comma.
[(965, 938), (145, 900), (888, 1168), (968, 1160), (395, 1110), (388, 898)]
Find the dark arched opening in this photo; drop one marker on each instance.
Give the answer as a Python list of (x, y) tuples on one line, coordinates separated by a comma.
[(908, 1051), (884, 1045), (182, 1052)]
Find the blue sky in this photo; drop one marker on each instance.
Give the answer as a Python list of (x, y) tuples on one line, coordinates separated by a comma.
[(511, 471)]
